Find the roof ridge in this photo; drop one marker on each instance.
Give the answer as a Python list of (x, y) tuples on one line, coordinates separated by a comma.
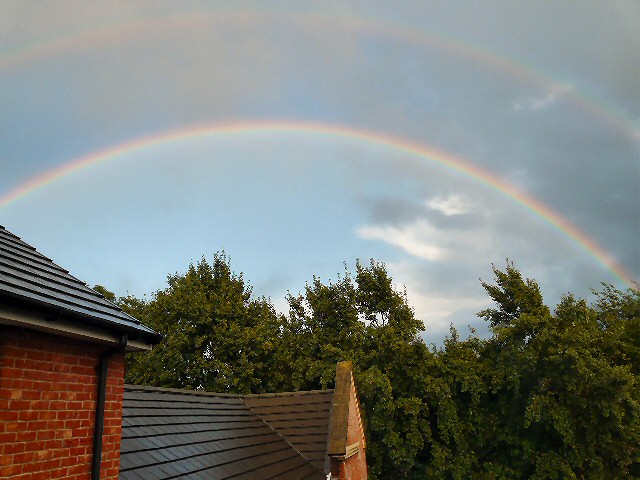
[(287, 394), (187, 391), (182, 391)]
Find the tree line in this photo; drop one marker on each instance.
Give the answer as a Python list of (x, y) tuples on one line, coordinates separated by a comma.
[(551, 394)]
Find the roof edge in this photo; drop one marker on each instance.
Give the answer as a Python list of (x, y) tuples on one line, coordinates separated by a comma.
[(136, 331), (14, 317), (27, 282), (287, 394), (181, 391), (186, 391)]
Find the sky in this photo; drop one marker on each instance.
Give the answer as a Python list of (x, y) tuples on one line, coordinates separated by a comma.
[(437, 137)]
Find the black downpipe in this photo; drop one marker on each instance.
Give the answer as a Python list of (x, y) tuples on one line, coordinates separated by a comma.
[(96, 461)]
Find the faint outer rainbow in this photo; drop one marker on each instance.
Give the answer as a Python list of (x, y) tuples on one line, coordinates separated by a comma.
[(110, 32), (407, 146)]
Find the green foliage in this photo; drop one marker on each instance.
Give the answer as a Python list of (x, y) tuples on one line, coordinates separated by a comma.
[(364, 319), (557, 392), (551, 394), (105, 293), (216, 336)]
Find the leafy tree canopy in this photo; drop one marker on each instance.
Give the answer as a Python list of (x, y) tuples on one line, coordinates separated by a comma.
[(217, 336), (550, 394)]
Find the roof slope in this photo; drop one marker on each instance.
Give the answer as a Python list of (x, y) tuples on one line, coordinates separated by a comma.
[(181, 434), (301, 418), (28, 276)]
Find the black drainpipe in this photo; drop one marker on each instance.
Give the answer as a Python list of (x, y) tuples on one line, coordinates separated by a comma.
[(96, 461)]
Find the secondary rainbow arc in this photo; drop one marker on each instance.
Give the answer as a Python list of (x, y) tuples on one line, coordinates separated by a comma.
[(410, 147), (110, 31)]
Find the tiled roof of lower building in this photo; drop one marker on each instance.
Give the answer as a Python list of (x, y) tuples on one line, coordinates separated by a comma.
[(184, 434), (301, 418)]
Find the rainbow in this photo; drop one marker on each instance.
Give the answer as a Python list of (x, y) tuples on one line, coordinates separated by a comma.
[(400, 144), (119, 31)]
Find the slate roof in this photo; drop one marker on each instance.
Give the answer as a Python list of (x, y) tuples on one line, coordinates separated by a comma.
[(28, 277), (301, 418), (183, 434)]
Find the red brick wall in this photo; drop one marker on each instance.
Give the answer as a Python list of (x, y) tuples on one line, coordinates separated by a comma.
[(355, 466), (48, 392)]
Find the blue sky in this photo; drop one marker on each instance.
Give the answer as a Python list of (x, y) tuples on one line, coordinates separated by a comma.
[(542, 95)]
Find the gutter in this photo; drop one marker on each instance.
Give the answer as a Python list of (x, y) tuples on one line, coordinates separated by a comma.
[(59, 322), (96, 460)]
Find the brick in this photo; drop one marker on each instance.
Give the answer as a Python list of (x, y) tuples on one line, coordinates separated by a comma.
[(25, 436), (50, 464), (72, 423), (58, 404), (24, 457), (49, 395), (39, 385), (8, 437), (11, 470), (11, 448), (26, 415), (45, 434), (39, 425), (22, 384), (9, 415), (21, 404), (11, 426), (14, 351), (47, 415), (31, 395)]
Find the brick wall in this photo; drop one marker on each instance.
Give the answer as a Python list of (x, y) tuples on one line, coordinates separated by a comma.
[(48, 392), (353, 467)]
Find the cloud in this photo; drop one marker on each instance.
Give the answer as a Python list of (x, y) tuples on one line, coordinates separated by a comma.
[(449, 206), (534, 104), (437, 312), (440, 307), (412, 238)]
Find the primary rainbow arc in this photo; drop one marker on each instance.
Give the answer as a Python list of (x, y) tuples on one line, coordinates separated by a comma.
[(410, 147)]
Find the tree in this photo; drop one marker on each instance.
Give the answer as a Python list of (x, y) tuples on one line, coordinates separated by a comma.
[(217, 337), (364, 319), (551, 394), (561, 388), (109, 295)]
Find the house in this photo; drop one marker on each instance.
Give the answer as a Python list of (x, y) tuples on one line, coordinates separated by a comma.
[(61, 370), (66, 413)]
